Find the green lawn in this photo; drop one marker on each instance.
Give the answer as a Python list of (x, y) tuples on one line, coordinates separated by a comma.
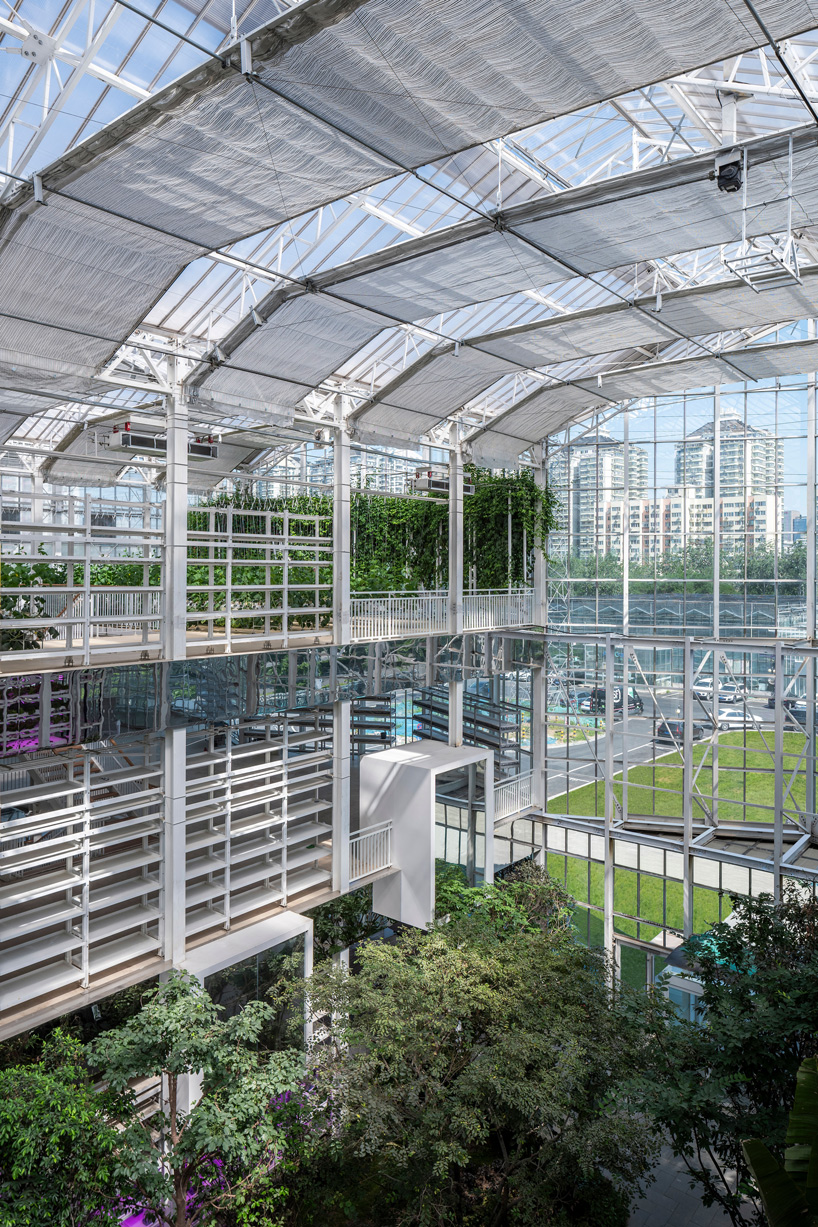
[(741, 767), (656, 901)]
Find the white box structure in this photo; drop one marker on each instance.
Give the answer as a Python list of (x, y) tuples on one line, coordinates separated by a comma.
[(398, 785)]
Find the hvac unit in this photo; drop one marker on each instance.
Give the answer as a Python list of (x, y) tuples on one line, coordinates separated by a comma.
[(141, 441), (426, 481)]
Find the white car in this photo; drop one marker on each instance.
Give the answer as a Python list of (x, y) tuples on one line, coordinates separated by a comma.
[(732, 718)]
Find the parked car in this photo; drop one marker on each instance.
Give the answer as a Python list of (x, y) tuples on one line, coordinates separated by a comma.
[(728, 692), (595, 703), (798, 711), (736, 720), (674, 731), (573, 703), (789, 701)]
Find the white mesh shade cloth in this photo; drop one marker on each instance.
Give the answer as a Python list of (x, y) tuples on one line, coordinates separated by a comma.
[(417, 79), (213, 157), (698, 312), (441, 383), (302, 342), (438, 385), (678, 209), (482, 268), (216, 156), (85, 280)]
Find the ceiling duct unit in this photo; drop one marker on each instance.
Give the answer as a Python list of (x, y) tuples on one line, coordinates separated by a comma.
[(140, 440), (426, 481)]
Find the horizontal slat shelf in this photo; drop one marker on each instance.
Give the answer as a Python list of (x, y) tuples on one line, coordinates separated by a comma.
[(249, 900), (254, 822), (117, 833), (122, 920), (40, 853), (48, 946), (35, 888), (38, 983), (198, 865), (254, 847), (306, 878), (203, 892), (203, 839), (40, 918), (310, 830), (254, 873), (305, 856), (201, 918), (106, 866), (122, 950), (119, 892), (302, 809)]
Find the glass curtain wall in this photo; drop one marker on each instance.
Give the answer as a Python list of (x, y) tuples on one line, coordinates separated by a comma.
[(685, 515)]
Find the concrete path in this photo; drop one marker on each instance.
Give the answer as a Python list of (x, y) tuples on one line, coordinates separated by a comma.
[(670, 1201)]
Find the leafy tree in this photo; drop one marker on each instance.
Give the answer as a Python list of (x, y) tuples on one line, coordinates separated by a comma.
[(59, 1152), (711, 1086), (344, 922), (225, 1144), (526, 901), (470, 1077)]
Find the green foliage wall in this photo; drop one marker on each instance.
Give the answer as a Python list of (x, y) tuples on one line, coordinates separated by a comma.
[(403, 543)]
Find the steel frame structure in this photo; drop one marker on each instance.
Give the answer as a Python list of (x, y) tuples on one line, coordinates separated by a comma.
[(221, 832)]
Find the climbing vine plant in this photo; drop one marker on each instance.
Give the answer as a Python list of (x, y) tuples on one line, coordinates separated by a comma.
[(402, 544)]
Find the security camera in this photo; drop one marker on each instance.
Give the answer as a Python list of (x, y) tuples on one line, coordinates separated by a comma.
[(728, 171)]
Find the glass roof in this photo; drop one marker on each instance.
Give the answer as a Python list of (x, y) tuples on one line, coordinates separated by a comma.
[(67, 69)]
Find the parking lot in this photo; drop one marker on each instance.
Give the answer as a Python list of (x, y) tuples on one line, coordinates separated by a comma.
[(580, 761)]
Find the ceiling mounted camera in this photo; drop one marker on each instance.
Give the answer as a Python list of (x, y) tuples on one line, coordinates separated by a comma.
[(728, 172)]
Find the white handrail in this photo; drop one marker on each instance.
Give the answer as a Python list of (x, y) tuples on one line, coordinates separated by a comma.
[(512, 796), (370, 850), (483, 611), (395, 615)]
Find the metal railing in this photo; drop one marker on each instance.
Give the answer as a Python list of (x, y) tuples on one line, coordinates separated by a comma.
[(370, 850), (512, 796), (487, 610), (390, 615)]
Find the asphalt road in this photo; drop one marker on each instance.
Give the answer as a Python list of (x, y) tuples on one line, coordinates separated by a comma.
[(584, 761)]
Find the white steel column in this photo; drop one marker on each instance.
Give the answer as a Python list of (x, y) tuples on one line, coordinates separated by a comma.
[(811, 545), (341, 560), (173, 865), (538, 737), (489, 806), (610, 806), (176, 484), (540, 594), (341, 743), (778, 764), (625, 538), (455, 580), (455, 537), (716, 518), (687, 788)]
